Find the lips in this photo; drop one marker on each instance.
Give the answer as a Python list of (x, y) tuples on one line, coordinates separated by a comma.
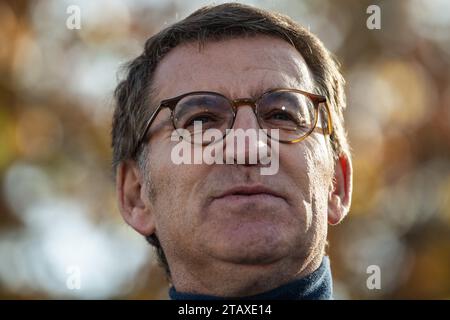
[(249, 191)]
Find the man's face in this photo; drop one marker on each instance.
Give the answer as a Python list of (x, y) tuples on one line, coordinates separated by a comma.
[(194, 225)]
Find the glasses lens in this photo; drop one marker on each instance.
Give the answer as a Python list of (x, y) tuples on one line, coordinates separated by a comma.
[(291, 112), (197, 113)]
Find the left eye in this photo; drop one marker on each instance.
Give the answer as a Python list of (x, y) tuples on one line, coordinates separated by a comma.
[(281, 116)]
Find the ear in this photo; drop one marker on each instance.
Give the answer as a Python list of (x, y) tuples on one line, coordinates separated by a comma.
[(133, 201), (340, 196)]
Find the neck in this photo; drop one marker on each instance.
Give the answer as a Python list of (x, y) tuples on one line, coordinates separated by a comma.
[(316, 284), (219, 278)]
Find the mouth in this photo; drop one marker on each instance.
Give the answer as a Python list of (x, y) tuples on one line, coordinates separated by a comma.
[(249, 192)]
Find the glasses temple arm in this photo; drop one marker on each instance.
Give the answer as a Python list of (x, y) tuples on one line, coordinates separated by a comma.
[(147, 126)]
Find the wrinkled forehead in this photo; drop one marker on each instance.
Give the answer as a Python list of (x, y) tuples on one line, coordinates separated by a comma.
[(238, 67)]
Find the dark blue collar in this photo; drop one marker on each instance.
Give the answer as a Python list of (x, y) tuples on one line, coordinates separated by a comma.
[(315, 286)]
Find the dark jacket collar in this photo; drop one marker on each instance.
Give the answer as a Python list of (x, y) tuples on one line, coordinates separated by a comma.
[(315, 286)]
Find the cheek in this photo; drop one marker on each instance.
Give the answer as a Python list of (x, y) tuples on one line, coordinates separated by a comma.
[(320, 172), (173, 187), (300, 165), (308, 165)]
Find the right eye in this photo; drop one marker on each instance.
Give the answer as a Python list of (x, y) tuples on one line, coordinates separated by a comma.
[(205, 118)]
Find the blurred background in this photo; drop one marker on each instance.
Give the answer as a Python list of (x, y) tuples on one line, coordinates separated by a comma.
[(58, 215)]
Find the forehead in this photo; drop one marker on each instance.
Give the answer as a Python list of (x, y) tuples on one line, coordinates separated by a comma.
[(239, 67)]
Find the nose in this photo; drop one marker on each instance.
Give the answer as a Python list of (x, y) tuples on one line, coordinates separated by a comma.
[(246, 144), (245, 118)]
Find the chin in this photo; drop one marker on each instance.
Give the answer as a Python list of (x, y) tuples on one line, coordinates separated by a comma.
[(261, 256), (251, 243)]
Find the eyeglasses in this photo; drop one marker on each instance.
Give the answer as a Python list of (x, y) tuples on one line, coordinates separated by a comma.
[(293, 112)]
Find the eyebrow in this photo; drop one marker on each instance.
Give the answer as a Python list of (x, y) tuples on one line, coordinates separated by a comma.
[(258, 91)]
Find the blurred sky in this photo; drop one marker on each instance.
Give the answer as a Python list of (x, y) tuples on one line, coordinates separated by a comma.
[(58, 212)]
